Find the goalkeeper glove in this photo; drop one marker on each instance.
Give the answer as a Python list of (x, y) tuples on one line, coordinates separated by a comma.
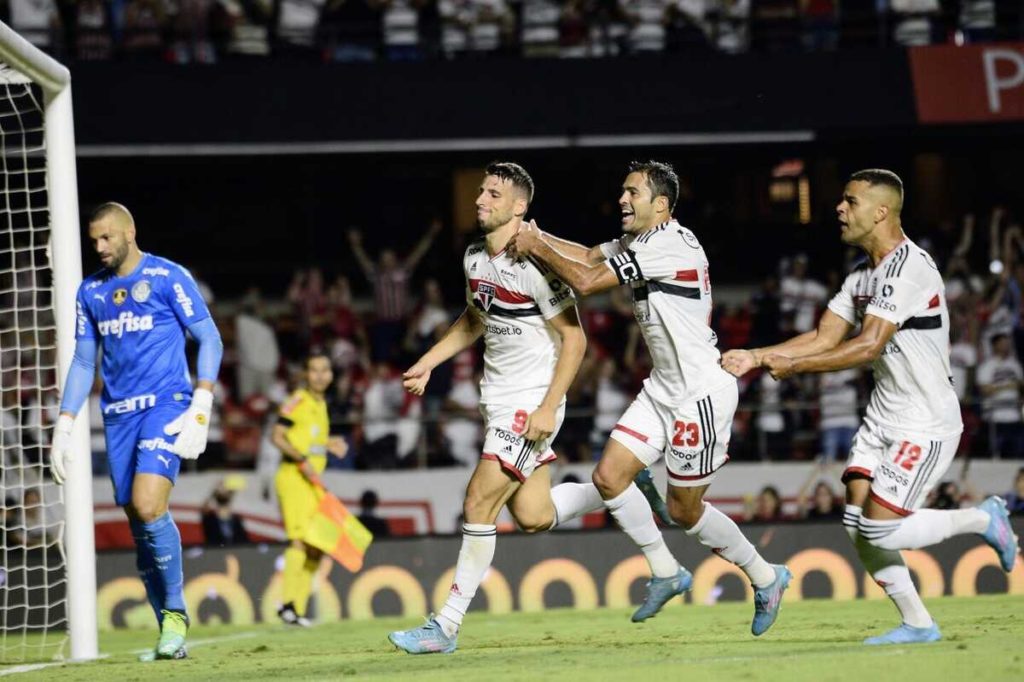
[(60, 450), (193, 426)]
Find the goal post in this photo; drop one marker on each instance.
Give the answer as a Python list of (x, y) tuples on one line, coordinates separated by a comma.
[(64, 247)]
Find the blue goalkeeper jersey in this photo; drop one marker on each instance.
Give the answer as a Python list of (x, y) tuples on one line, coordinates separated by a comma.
[(139, 321)]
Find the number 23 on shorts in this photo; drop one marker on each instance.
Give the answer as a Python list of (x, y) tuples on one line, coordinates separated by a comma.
[(687, 434)]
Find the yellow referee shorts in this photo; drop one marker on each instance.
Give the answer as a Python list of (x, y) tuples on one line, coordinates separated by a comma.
[(298, 498)]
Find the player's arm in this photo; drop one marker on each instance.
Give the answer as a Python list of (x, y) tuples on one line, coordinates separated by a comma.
[(586, 254), (76, 391), (584, 278), (541, 423), (193, 426), (461, 335), (862, 349), (831, 331)]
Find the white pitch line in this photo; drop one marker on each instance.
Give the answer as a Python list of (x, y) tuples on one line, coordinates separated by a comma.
[(803, 654), (32, 667), (209, 640)]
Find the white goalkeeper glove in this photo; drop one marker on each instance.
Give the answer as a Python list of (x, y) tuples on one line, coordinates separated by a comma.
[(193, 426), (60, 450)]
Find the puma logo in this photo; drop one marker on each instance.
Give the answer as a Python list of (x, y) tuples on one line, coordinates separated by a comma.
[(101, 297), (165, 460)]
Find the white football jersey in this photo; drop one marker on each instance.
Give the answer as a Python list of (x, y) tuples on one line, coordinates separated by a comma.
[(913, 385), (669, 274), (514, 300)]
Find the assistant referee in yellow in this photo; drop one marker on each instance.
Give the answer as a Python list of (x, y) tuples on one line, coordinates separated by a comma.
[(302, 433)]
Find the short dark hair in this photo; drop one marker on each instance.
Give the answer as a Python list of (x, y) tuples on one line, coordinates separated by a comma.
[(996, 338), (313, 355), (514, 173), (661, 178), (879, 176), (105, 209)]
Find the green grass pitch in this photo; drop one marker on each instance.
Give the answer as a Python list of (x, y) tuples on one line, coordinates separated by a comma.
[(819, 641)]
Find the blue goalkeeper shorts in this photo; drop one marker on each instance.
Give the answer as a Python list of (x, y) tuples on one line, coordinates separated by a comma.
[(137, 444)]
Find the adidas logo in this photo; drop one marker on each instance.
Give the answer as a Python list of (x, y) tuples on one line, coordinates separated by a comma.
[(507, 448), (892, 489), (687, 467), (455, 589)]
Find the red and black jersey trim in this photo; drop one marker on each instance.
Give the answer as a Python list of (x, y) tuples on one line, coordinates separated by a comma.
[(923, 323), (500, 311), (673, 289)]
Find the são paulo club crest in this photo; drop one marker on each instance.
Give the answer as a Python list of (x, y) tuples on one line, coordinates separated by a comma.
[(485, 293)]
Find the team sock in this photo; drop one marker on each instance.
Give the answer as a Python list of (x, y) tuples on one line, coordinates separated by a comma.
[(924, 527), (718, 532), (147, 569), (475, 558), (889, 571), (573, 500), (633, 514), (164, 543)]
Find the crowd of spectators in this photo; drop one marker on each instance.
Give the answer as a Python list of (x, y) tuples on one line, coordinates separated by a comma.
[(203, 31)]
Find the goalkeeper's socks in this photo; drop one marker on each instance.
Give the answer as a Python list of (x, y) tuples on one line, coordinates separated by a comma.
[(164, 543), (147, 569), (633, 514), (474, 559)]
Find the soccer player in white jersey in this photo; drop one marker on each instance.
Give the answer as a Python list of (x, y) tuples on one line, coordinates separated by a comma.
[(912, 426), (685, 409), (533, 347)]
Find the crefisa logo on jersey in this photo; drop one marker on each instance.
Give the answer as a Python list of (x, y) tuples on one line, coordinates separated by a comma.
[(141, 291), (120, 296), (183, 300), (485, 293)]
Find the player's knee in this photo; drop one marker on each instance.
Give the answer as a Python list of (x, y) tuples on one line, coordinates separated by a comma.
[(609, 482), (534, 523), (684, 512), (477, 508), (148, 511)]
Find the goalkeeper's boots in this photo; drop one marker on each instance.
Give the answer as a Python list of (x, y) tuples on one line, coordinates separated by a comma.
[(290, 616), (150, 656), (768, 601), (907, 634), (429, 638), (172, 635), (649, 488), (659, 591), (999, 534)]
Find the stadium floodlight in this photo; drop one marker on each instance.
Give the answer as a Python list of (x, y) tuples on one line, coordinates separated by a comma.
[(40, 269)]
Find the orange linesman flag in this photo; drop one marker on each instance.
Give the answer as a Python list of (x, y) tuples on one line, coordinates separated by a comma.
[(338, 532)]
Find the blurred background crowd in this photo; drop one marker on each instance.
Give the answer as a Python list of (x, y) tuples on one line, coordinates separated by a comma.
[(205, 31)]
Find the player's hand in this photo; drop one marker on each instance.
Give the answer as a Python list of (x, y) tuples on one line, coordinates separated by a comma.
[(779, 366), (415, 379), (525, 241), (540, 424), (193, 426), (60, 450), (337, 446), (738, 362), (308, 471)]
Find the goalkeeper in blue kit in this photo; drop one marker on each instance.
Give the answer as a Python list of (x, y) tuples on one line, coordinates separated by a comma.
[(136, 311)]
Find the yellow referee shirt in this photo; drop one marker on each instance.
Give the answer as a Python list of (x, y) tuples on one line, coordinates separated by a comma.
[(305, 416)]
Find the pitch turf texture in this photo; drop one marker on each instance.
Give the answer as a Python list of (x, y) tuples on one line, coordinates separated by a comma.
[(819, 641)]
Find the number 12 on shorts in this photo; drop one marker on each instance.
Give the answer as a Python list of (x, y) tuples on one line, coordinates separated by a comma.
[(908, 455), (687, 434)]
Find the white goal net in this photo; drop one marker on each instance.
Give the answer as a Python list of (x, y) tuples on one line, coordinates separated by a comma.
[(33, 613)]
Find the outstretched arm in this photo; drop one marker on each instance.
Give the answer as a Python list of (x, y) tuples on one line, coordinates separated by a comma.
[(830, 332), (355, 240), (591, 255), (860, 350), (585, 278), (422, 246), (461, 335)]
